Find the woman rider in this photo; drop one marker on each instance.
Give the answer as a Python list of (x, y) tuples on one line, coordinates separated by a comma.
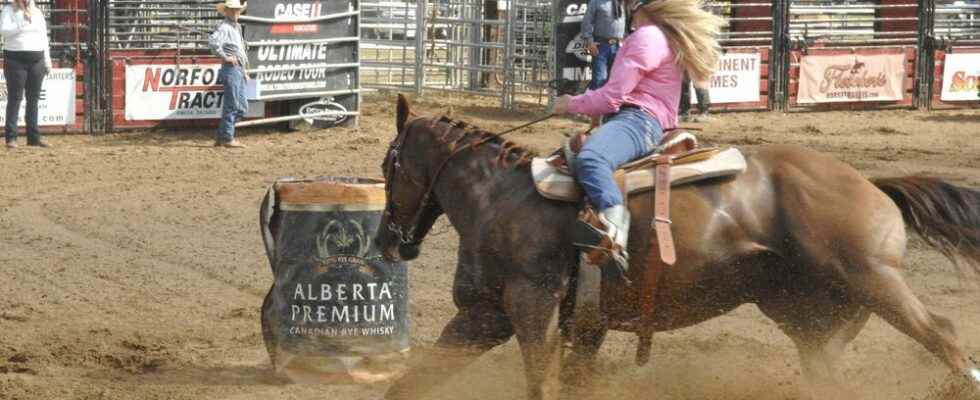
[(669, 37)]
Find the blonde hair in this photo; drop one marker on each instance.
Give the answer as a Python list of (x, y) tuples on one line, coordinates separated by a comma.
[(691, 31)]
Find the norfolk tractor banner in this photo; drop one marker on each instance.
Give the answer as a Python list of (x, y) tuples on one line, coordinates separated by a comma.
[(961, 77), (736, 80), (192, 91), (57, 103), (851, 78)]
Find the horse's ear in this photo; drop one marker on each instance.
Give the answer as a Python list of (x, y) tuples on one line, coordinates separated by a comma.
[(403, 112)]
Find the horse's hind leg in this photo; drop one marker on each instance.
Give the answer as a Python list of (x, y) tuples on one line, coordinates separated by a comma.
[(473, 331), (886, 294), (821, 325)]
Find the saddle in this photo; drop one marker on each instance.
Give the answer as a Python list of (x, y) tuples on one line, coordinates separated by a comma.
[(554, 178), (677, 160)]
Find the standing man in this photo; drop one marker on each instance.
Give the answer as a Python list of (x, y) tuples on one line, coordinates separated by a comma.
[(602, 29), (704, 101), (228, 43)]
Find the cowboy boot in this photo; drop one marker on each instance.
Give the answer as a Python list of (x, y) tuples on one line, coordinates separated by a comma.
[(617, 223)]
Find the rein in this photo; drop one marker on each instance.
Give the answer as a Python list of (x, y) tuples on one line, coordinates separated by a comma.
[(408, 238)]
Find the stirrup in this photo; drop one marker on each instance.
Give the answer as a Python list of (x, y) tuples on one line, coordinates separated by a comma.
[(602, 241)]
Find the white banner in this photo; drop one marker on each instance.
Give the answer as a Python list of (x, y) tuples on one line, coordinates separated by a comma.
[(159, 92), (961, 77), (850, 78), (736, 80), (57, 104)]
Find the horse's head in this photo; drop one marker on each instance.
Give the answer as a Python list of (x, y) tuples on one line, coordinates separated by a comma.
[(411, 207)]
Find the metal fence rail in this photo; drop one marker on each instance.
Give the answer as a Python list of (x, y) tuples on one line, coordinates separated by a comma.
[(496, 48), (958, 21), (749, 23), (826, 23), (160, 24)]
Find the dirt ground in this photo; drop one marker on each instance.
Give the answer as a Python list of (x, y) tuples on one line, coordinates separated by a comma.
[(131, 265)]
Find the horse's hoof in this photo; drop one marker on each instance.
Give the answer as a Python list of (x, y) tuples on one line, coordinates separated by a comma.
[(974, 375)]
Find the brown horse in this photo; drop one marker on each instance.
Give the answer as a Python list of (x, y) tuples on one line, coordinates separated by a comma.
[(814, 244)]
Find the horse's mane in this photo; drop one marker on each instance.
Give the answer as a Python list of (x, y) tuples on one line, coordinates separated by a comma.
[(459, 133)]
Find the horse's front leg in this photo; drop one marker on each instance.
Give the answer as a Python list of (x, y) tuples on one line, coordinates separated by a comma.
[(480, 324), (533, 311), (473, 331)]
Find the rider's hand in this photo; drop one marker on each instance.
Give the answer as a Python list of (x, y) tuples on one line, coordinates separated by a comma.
[(561, 104), (232, 60), (593, 49)]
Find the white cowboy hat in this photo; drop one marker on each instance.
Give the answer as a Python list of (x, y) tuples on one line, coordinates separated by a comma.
[(238, 4)]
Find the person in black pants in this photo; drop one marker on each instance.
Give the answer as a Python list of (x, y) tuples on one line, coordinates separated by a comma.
[(26, 60), (704, 102)]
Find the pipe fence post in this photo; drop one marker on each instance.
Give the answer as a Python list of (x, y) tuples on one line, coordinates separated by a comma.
[(779, 57), (420, 46), (926, 55)]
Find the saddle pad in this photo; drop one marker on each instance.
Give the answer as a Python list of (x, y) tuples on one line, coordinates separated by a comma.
[(555, 185)]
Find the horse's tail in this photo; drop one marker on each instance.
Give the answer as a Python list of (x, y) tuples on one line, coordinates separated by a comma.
[(945, 215)]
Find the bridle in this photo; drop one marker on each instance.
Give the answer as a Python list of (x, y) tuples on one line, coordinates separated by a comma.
[(393, 162)]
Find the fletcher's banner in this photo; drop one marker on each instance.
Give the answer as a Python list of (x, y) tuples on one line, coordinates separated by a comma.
[(736, 80), (961, 77), (851, 77), (190, 91), (573, 61), (57, 103)]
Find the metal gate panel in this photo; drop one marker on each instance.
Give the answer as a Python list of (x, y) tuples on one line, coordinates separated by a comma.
[(494, 48), (749, 31)]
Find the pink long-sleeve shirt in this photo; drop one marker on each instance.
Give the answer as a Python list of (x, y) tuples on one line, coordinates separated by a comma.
[(645, 74)]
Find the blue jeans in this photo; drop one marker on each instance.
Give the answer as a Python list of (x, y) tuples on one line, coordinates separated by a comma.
[(602, 64), (234, 105), (627, 135)]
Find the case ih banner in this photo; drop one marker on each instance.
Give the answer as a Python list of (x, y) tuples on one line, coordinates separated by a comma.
[(302, 49), (159, 92), (961, 77), (57, 104), (850, 78), (573, 61)]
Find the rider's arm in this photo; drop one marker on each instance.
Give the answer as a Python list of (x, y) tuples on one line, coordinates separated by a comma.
[(642, 52)]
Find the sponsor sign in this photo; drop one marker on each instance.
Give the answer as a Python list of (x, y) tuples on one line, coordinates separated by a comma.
[(961, 77), (736, 80), (573, 61), (851, 78), (334, 295), (57, 104), (302, 49), (161, 92)]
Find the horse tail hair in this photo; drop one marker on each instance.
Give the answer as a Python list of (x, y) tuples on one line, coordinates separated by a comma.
[(946, 216)]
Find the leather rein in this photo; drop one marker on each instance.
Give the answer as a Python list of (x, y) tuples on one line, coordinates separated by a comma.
[(394, 162)]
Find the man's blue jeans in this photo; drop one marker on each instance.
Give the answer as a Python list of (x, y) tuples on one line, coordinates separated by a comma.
[(234, 105), (602, 64), (627, 135)]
